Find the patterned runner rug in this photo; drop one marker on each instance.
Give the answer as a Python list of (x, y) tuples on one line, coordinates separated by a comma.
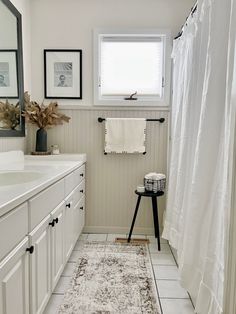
[(112, 278)]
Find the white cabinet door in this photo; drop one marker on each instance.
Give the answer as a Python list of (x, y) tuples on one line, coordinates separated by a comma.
[(14, 281), (79, 218), (69, 226), (81, 215), (57, 243), (40, 266)]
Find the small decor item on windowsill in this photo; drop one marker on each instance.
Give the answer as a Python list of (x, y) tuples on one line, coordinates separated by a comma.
[(45, 117)]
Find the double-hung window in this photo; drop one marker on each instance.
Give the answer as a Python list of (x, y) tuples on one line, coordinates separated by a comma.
[(131, 68)]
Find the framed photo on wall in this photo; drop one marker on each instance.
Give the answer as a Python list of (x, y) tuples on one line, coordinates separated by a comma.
[(63, 74), (8, 74)]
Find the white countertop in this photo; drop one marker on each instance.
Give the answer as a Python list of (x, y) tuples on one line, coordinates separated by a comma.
[(52, 168)]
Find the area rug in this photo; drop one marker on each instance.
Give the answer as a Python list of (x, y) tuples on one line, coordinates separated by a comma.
[(112, 278)]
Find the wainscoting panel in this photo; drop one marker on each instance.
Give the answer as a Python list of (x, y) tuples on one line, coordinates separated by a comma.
[(112, 179), (12, 143)]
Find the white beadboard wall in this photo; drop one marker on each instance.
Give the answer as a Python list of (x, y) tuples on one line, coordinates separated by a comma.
[(112, 179), (12, 143)]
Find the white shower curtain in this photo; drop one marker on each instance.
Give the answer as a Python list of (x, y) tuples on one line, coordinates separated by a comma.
[(203, 120)]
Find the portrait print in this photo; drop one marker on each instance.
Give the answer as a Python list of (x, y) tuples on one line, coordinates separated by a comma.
[(8, 74), (4, 74), (63, 74)]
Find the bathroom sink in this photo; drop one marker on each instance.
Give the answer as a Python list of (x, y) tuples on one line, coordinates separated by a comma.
[(18, 177)]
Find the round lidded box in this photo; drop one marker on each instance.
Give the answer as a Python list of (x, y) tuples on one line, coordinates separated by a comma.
[(155, 182)]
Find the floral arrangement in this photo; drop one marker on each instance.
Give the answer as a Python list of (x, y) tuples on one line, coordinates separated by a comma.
[(9, 115), (44, 116)]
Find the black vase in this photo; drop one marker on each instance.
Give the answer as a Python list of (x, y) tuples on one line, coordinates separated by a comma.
[(41, 140)]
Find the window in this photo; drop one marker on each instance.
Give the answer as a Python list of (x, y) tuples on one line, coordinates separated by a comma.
[(128, 64)]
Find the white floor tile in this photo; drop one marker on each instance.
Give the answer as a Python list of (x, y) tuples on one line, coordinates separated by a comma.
[(83, 237), (153, 248), (171, 289), (79, 244), (69, 270), (53, 304), (152, 239), (177, 306), (62, 285), (74, 256), (162, 259), (112, 237), (166, 272), (97, 237)]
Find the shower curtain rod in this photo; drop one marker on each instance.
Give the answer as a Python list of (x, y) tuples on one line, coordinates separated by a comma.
[(161, 120), (193, 10)]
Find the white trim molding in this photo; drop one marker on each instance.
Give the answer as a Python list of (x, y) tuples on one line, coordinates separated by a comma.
[(164, 101)]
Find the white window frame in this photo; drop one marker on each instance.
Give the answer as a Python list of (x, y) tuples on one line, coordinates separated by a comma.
[(142, 101)]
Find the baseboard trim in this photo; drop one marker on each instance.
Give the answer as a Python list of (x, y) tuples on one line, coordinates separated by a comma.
[(117, 230)]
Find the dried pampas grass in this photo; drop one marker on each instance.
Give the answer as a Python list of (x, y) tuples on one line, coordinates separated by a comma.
[(9, 115), (44, 116)]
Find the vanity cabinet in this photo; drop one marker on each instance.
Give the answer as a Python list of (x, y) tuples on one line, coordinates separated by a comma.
[(73, 213), (14, 281), (69, 221), (57, 243), (79, 220), (48, 226), (40, 266)]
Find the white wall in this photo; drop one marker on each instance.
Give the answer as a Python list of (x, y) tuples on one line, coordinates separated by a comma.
[(111, 180), (11, 143), (70, 24)]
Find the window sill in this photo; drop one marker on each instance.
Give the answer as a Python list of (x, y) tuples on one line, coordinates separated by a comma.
[(113, 107), (130, 103)]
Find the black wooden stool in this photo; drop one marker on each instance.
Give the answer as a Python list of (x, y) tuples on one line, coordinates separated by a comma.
[(155, 213)]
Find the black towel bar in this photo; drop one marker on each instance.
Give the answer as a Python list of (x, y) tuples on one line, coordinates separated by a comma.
[(161, 120)]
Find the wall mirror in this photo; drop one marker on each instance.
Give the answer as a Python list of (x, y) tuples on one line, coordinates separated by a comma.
[(11, 71)]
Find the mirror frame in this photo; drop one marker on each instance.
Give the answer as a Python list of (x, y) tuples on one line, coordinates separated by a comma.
[(20, 72)]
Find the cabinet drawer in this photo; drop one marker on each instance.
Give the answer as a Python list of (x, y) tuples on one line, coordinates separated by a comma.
[(42, 204), (79, 174), (79, 192), (74, 179), (79, 220), (13, 228)]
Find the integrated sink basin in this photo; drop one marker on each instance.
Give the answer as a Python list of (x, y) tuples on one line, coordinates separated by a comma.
[(19, 177)]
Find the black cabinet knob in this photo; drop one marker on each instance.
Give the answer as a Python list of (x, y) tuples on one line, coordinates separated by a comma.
[(52, 223), (68, 205), (81, 191), (81, 174), (82, 207), (30, 249), (56, 220)]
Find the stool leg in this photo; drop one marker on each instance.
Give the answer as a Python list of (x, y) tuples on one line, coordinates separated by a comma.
[(156, 222), (134, 218)]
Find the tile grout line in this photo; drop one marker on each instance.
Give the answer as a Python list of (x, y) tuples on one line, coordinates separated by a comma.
[(177, 266), (173, 298), (158, 295)]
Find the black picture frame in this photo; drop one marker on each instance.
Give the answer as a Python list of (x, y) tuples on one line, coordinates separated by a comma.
[(63, 73)]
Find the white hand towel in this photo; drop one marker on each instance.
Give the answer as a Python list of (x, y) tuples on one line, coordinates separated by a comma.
[(125, 135), (155, 176)]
